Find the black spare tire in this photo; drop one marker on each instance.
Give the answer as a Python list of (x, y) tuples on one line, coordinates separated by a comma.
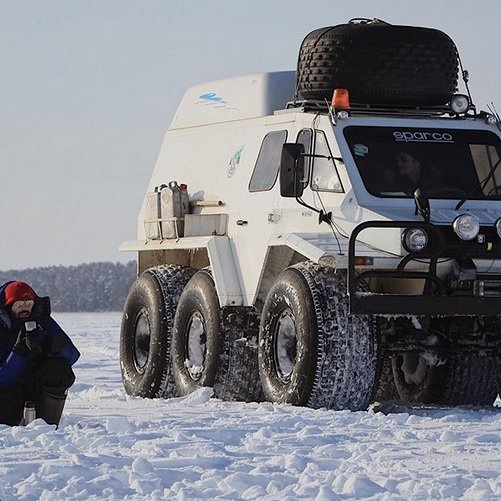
[(380, 64)]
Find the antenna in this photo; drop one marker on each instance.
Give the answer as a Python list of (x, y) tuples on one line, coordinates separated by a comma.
[(465, 75)]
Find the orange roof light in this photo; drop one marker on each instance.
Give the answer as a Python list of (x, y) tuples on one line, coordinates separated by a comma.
[(363, 261), (341, 99)]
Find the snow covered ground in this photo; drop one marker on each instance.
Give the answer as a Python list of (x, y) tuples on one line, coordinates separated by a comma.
[(110, 446)]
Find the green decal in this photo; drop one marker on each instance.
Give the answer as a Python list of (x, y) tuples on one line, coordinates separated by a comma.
[(234, 161)]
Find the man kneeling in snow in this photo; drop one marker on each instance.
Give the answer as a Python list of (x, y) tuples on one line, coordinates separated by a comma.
[(36, 356)]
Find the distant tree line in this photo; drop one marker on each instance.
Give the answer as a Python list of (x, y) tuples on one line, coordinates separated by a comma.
[(86, 287)]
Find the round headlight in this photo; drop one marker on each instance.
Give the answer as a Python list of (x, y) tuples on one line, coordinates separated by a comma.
[(466, 227), (415, 239), (497, 224), (459, 103)]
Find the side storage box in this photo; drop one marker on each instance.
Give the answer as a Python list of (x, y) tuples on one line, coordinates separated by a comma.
[(197, 225)]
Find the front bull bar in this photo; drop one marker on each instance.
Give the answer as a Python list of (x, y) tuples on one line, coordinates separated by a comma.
[(434, 301)]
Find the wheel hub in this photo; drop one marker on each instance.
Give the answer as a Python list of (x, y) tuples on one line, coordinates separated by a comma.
[(142, 337), (414, 367), (196, 348), (285, 345)]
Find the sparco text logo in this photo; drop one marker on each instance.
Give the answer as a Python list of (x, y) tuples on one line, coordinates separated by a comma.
[(423, 137)]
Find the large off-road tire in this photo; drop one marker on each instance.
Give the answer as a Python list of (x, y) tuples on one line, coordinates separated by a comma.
[(197, 339), (311, 351), (465, 379), (379, 64), (146, 331), (386, 389), (240, 357), (498, 374), (211, 349)]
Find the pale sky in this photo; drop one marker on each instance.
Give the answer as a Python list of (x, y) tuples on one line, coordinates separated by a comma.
[(89, 87)]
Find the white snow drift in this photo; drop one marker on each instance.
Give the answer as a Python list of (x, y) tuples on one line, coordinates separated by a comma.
[(111, 446)]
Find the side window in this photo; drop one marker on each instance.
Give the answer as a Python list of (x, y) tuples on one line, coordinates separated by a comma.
[(267, 165), (324, 176), (305, 137)]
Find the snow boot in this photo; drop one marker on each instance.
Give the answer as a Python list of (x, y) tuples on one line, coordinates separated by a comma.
[(51, 404)]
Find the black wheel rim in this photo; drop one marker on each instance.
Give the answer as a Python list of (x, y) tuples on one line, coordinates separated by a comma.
[(142, 338), (285, 345), (196, 346)]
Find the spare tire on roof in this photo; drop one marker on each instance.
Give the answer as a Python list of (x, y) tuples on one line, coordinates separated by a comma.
[(379, 63)]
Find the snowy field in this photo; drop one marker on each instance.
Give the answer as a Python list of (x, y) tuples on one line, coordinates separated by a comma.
[(110, 446)]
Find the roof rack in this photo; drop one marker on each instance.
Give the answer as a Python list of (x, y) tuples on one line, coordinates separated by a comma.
[(367, 109)]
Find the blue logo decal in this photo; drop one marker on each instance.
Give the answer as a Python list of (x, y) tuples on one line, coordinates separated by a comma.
[(212, 98)]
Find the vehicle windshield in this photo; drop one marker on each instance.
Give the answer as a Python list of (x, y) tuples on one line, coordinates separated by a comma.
[(444, 163)]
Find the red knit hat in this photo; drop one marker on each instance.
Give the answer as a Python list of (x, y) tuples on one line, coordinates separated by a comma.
[(18, 291)]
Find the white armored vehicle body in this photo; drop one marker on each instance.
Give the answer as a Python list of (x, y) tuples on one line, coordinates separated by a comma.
[(324, 237)]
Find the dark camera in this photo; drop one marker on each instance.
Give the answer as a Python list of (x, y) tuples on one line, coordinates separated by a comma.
[(41, 309)]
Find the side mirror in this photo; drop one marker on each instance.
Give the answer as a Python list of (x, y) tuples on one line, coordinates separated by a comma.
[(422, 204), (292, 170)]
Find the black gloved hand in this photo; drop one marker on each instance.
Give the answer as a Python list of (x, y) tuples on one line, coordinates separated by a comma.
[(56, 343), (28, 344)]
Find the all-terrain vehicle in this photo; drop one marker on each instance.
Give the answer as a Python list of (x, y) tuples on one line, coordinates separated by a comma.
[(326, 236)]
